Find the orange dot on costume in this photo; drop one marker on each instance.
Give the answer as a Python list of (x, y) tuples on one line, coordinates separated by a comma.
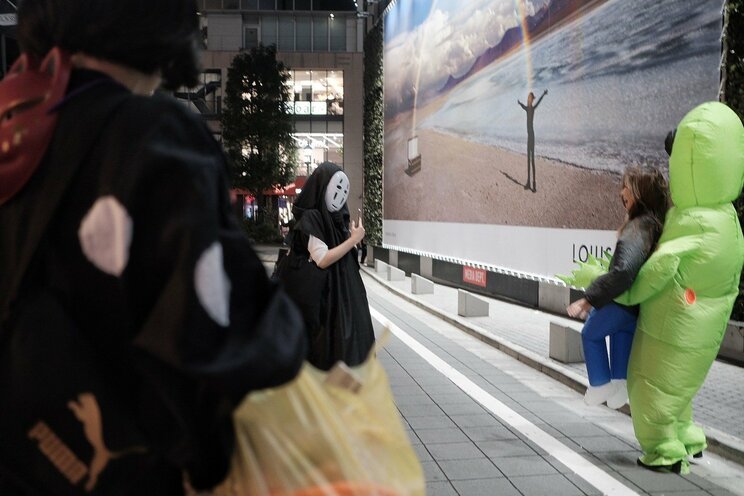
[(690, 296)]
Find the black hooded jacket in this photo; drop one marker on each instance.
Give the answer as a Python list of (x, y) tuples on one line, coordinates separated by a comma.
[(634, 245), (344, 330), (157, 357)]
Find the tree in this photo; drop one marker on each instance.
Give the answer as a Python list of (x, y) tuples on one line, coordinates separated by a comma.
[(373, 134), (256, 124), (733, 92)]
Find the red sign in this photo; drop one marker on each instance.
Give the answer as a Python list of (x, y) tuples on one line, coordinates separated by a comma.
[(474, 276)]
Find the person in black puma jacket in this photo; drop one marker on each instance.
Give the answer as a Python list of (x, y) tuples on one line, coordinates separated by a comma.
[(134, 314)]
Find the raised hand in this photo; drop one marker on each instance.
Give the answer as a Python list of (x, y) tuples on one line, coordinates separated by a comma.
[(357, 231)]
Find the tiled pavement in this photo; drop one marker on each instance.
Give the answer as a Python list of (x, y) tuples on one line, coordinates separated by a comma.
[(466, 450), (718, 405)]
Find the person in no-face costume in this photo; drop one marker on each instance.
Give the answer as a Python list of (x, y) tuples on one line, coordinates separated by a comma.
[(341, 328), (134, 315), (687, 287)]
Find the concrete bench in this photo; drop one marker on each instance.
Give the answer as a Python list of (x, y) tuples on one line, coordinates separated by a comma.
[(469, 305), (419, 285), (732, 346), (565, 344), (370, 260), (380, 266), (395, 274), (553, 298)]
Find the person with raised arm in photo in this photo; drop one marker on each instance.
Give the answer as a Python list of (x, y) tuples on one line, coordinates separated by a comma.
[(530, 109)]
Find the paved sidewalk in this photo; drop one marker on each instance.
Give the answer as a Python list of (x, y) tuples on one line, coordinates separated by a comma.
[(524, 333), (468, 449)]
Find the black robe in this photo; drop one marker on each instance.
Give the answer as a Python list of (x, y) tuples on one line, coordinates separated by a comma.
[(166, 360), (344, 328)]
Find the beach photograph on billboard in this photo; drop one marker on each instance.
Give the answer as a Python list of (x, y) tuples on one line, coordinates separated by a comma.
[(508, 124)]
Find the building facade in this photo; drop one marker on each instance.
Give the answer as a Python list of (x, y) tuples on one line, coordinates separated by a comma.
[(9, 51), (321, 41)]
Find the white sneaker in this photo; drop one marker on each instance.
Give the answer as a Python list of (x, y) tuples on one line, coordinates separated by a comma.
[(620, 396), (596, 395)]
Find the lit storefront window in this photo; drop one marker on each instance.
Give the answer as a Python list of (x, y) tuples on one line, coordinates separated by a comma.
[(318, 107), (302, 108), (317, 92), (320, 93), (315, 148), (335, 92)]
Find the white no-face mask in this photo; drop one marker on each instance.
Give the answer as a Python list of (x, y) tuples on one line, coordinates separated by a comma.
[(337, 192)]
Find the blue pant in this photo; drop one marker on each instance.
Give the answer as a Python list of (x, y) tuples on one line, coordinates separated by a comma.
[(617, 322)]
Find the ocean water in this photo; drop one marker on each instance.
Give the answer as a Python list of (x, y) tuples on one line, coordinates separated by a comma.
[(619, 79)]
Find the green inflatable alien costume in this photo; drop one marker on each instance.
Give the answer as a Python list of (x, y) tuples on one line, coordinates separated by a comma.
[(687, 288)]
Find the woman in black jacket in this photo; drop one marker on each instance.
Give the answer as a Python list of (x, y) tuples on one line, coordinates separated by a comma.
[(645, 196)]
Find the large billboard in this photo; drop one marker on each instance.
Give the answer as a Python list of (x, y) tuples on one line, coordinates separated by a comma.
[(478, 170)]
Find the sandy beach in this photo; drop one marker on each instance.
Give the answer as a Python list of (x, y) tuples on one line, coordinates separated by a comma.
[(464, 181)]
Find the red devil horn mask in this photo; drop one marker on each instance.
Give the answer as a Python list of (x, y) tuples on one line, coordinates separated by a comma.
[(28, 94)]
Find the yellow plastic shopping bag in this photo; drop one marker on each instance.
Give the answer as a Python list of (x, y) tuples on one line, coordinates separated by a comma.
[(334, 433)]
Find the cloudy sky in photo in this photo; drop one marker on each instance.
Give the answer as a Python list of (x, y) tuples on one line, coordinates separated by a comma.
[(441, 38)]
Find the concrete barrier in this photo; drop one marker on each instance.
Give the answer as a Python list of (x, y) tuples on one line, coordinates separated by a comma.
[(553, 298), (732, 346), (419, 285), (393, 258), (565, 344), (370, 260), (469, 305), (395, 274), (380, 266), (426, 265)]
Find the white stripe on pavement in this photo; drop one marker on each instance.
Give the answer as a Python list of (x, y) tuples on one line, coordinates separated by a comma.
[(562, 453)]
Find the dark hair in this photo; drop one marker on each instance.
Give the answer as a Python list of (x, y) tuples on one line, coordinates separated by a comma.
[(669, 141), (650, 192), (145, 35)]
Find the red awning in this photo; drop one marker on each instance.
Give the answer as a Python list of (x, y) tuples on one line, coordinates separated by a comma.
[(288, 190)]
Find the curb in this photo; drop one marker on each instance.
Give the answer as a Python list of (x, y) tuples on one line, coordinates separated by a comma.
[(720, 443)]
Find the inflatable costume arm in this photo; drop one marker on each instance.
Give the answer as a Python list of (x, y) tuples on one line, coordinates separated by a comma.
[(659, 269), (587, 272)]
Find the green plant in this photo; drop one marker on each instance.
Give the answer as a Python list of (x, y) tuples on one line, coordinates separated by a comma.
[(733, 92), (262, 232), (257, 128), (373, 134)]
